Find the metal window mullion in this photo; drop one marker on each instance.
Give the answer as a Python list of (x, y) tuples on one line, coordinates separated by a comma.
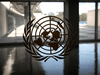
[(29, 11), (96, 21), (29, 4), (96, 38)]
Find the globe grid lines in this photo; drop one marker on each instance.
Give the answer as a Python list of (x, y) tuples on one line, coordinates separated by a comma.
[(45, 29)]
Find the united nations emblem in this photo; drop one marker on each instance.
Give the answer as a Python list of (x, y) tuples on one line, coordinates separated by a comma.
[(49, 38)]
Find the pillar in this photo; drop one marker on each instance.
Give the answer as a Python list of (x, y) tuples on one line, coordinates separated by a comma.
[(71, 62)]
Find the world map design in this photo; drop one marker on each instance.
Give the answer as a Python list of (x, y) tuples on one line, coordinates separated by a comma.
[(49, 34), (49, 38)]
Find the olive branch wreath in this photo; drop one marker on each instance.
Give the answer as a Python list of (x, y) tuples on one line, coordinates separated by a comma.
[(34, 53)]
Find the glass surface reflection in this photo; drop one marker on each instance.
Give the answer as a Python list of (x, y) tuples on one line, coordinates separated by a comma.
[(98, 49), (53, 67), (86, 59), (9, 63), (16, 61)]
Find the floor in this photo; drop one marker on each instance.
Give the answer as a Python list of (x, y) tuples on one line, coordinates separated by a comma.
[(84, 60)]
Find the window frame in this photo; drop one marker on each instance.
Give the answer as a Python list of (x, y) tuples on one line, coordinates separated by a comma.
[(96, 39)]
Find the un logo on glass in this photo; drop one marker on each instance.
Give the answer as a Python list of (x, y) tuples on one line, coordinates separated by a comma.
[(49, 37)]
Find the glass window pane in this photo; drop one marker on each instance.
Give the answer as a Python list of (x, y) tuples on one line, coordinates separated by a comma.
[(98, 20), (86, 20), (46, 9), (12, 21)]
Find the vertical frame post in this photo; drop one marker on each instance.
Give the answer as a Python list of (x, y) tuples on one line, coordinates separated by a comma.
[(96, 21), (29, 4)]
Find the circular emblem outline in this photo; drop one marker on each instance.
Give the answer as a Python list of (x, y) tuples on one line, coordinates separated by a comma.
[(28, 42)]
